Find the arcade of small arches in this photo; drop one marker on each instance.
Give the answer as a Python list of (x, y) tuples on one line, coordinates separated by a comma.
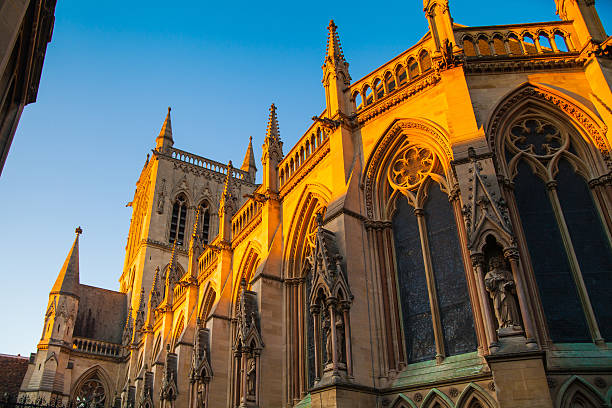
[(513, 43), (298, 156), (413, 66)]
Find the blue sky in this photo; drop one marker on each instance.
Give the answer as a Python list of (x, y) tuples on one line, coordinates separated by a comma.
[(110, 72)]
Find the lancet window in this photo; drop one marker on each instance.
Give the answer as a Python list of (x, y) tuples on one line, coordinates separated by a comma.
[(437, 315), (561, 218), (204, 222), (178, 220)]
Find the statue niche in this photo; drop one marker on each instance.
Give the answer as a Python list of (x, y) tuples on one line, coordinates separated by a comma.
[(500, 285), (201, 372), (330, 300), (247, 349)]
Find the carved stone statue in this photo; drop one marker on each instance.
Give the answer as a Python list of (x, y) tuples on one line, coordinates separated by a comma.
[(327, 336), (340, 345), (201, 395), (251, 374), (499, 284)]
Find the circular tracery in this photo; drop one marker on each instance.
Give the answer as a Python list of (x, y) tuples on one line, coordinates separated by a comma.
[(536, 137), (410, 168), (91, 394)]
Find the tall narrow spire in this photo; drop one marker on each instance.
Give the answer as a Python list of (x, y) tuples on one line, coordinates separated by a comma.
[(272, 131), (272, 152), (334, 49), (272, 145), (336, 77), (165, 135), (67, 281), (248, 164), (226, 203)]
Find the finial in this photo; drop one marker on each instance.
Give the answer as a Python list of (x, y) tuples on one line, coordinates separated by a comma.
[(250, 139), (332, 26), (169, 109), (78, 230), (229, 164)]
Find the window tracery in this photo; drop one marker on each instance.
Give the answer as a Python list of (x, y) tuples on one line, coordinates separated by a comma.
[(91, 393), (178, 220), (550, 166), (437, 314)]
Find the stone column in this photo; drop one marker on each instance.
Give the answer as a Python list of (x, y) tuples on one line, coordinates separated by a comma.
[(347, 339), (478, 263), (314, 310), (331, 303), (511, 254)]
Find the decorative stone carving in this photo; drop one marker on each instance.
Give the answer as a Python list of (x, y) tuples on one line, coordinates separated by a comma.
[(596, 132), (201, 372), (162, 197), (169, 388), (330, 299), (247, 348), (483, 207), (500, 285), (146, 392)]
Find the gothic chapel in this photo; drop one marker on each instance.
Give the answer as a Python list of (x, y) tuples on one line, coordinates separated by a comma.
[(439, 237)]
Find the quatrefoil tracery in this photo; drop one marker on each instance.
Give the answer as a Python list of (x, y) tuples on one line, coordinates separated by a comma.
[(410, 168)]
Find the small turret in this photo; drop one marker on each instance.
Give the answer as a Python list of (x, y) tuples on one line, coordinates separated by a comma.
[(440, 23), (164, 140), (585, 20), (227, 206), (154, 299), (336, 78), (248, 164), (272, 153), (195, 248)]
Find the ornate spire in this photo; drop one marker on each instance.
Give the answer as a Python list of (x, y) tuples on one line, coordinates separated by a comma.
[(334, 49), (154, 298), (336, 77), (194, 232), (170, 278), (272, 131), (226, 204), (334, 56), (248, 164), (165, 135), (272, 147), (67, 281)]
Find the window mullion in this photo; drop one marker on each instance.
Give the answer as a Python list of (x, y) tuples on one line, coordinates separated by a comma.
[(573, 261), (431, 285)]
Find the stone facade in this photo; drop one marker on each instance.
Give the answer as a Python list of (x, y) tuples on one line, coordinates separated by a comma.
[(26, 27), (439, 237)]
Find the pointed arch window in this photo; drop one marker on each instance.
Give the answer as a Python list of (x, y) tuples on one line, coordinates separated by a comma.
[(91, 393), (437, 315), (547, 162), (204, 221), (178, 220)]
